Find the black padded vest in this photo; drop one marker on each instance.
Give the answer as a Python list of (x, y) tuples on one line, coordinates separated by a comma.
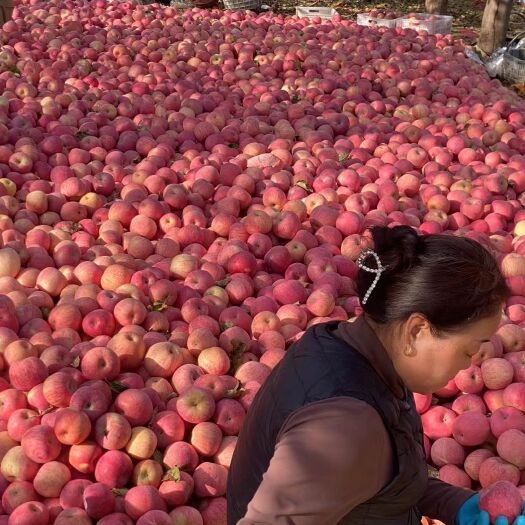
[(320, 366)]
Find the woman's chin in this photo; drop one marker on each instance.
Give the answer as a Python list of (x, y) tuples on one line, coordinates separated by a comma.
[(427, 389)]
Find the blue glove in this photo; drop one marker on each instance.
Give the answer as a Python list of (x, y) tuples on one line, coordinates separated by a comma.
[(470, 514)]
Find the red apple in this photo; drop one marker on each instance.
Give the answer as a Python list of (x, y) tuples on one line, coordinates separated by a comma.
[(40, 444), (72, 426)]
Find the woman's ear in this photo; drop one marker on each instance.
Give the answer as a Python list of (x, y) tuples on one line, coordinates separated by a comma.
[(416, 326)]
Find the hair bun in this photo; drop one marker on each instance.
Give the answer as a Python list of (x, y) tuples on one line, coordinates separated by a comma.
[(397, 247)]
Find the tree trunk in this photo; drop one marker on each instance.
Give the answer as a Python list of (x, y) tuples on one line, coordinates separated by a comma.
[(436, 7), (494, 25)]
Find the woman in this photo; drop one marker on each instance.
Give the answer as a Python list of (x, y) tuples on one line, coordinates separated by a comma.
[(333, 436)]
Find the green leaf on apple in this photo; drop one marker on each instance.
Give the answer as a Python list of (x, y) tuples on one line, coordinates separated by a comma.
[(158, 456), (157, 306), (225, 326), (432, 472), (224, 282), (238, 391), (14, 70), (304, 185), (238, 348), (173, 474), (112, 198), (119, 492), (82, 134), (117, 386), (48, 410)]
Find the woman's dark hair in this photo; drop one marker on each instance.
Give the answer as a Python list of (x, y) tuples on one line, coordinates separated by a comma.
[(452, 281)]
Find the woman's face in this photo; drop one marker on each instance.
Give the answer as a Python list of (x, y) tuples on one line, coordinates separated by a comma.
[(428, 362)]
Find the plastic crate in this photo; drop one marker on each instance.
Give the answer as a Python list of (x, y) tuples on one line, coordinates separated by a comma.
[(325, 13), (513, 65), (363, 19), (242, 5), (440, 24)]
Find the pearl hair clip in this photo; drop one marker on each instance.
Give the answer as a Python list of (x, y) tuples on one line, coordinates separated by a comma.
[(378, 271)]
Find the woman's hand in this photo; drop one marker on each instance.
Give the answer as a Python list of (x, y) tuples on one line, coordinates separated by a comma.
[(470, 514)]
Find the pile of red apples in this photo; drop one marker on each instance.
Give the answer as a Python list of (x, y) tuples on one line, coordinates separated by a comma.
[(181, 196), (384, 14)]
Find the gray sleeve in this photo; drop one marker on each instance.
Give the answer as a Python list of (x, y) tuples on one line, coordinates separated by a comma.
[(331, 456)]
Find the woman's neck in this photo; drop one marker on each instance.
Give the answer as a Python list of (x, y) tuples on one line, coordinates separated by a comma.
[(387, 336)]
